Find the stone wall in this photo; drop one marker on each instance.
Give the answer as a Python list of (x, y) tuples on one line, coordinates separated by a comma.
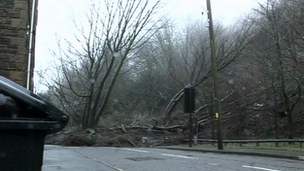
[(14, 39)]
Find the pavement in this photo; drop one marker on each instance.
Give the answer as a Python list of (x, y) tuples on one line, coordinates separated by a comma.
[(284, 154)]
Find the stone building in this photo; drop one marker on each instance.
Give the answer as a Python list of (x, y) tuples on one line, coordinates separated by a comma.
[(15, 17)]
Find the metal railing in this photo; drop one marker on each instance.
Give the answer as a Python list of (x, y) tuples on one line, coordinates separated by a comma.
[(257, 142)]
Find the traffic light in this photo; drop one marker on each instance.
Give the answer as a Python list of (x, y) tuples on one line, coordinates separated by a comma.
[(189, 100)]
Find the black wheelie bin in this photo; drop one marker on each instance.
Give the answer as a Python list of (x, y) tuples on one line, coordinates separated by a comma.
[(25, 120)]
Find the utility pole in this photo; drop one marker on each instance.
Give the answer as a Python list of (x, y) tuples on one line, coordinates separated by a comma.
[(215, 79)]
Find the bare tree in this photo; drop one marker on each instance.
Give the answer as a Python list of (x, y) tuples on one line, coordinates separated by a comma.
[(91, 64), (277, 59)]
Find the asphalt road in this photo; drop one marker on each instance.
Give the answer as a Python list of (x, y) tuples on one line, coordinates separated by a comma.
[(148, 159)]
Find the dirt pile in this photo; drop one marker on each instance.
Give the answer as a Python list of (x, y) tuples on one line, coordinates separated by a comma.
[(115, 137)]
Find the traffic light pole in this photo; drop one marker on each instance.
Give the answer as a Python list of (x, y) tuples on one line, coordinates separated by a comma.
[(215, 78)]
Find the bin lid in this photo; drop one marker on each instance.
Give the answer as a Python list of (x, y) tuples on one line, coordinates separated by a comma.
[(18, 92), (47, 110), (23, 124)]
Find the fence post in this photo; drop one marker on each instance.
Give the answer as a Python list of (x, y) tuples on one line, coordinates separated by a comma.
[(276, 144), (300, 144), (257, 144)]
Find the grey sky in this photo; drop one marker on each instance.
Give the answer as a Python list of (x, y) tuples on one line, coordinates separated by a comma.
[(223, 10), (57, 22)]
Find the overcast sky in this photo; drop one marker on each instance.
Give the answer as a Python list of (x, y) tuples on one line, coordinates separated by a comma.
[(56, 22)]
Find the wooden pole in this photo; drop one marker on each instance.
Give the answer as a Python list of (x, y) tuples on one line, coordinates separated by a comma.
[(215, 78)]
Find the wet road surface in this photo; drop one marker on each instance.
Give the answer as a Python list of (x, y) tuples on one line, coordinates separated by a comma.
[(150, 159)]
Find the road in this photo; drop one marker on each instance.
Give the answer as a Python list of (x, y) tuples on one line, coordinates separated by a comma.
[(149, 159)]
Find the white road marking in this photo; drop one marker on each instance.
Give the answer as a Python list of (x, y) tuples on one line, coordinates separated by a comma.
[(134, 150), (301, 157), (100, 161), (260, 168), (179, 156), (51, 166), (213, 164), (52, 146), (108, 164)]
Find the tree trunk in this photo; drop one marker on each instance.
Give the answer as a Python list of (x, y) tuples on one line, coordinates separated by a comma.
[(213, 130), (290, 136), (174, 101), (276, 127)]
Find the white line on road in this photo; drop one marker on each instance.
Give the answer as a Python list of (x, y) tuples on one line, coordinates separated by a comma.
[(260, 168), (108, 164), (301, 157), (179, 156), (100, 161), (134, 150), (213, 164), (51, 166)]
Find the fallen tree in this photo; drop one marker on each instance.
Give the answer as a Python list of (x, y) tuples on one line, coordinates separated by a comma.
[(232, 47)]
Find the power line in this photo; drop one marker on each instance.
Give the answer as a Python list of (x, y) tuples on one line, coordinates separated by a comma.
[(201, 6)]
